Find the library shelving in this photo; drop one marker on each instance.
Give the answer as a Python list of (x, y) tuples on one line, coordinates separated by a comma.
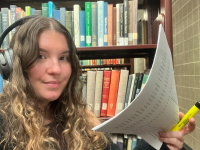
[(146, 51)]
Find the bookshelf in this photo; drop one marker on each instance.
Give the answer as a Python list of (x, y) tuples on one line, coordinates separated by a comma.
[(146, 51)]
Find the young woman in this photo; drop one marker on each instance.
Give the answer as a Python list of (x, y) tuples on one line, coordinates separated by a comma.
[(41, 107)]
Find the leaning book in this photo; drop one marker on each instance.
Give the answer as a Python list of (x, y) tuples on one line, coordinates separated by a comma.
[(156, 106)]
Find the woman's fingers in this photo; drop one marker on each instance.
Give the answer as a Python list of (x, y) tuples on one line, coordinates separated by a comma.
[(174, 134)]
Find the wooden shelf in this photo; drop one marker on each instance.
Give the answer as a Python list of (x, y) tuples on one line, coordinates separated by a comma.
[(104, 118), (107, 66), (105, 52)]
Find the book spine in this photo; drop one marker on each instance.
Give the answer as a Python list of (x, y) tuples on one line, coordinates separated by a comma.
[(82, 29), (9, 23), (114, 84), (98, 93), (28, 10), (130, 78), (45, 10), (100, 17), (62, 16), (76, 25), (134, 89), (121, 18), (5, 25), (84, 90), (125, 22), (68, 20), (21, 15), (110, 24), (105, 23), (88, 23), (37, 12), (130, 23), (139, 84), (94, 24), (125, 142), (91, 75), (13, 17), (18, 9), (114, 26), (56, 15), (117, 25), (51, 7), (135, 10), (134, 142), (122, 90), (139, 30), (105, 92), (32, 9)]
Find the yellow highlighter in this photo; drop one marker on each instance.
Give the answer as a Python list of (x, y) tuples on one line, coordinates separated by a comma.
[(187, 117)]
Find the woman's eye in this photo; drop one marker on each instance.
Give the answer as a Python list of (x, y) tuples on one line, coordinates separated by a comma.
[(41, 57), (64, 58)]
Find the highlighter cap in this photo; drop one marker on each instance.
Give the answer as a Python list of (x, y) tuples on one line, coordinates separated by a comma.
[(197, 105)]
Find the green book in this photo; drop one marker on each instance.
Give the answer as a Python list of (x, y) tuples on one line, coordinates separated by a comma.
[(68, 21), (45, 10), (88, 23), (144, 80), (28, 10)]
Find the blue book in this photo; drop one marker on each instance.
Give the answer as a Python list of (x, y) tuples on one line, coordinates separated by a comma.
[(56, 15), (51, 7), (105, 23), (82, 28), (134, 142), (130, 78), (62, 16), (1, 84), (32, 9), (100, 22)]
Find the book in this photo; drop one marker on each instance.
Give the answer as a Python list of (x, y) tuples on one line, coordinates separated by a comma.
[(110, 24), (100, 22), (114, 26), (133, 92), (94, 24), (51, 8), (121, 20), (144, 80), (122, 90), (56, 15), (129, 144), (32, 9), (18, 9), (82, 28), (135, 10), (130, 78), (88, 24), (45, 10), (126, 22), (5, 25), (157, 100), (134, 142), (139, 30), (84, 90), (13, 17), (105, 92), (105, 23), (98, 93), (120, 141), (62, 15), (68, 21), (91, 77), (117, 25), (1, 28), (37, 12), (9, 23), (130, 23), (28, 10), (114, 84), (125, 142), (72, 25), (77, 8), (139, 84)]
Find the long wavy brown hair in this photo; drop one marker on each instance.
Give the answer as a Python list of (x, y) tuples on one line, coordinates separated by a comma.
[(23, 120)]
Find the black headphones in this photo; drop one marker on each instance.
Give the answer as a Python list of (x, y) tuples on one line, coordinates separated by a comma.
[(6, 56)]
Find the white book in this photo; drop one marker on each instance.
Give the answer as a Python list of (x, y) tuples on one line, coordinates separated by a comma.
[(77, 8), (131, 90), (122, 90), (98, 93), (117, 25), (91, 78)]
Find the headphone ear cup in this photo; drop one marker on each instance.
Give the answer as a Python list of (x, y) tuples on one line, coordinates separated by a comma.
[(8, 58), (4, 67)]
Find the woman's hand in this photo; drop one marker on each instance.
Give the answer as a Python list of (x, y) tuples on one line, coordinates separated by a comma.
[(174, 139)]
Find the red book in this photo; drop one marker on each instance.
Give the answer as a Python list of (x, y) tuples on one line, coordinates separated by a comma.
[(105, 61), (105, 92)]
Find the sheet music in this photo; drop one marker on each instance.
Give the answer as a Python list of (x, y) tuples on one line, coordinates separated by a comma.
[(156, 107)]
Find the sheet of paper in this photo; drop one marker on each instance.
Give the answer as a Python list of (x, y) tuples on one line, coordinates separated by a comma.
[(156, 107)]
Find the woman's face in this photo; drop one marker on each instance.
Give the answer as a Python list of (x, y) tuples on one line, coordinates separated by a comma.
[(50, 74)]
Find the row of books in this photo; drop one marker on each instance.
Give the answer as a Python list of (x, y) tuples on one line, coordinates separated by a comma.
[(100, 24), (105, 68), (103, 61), (125, 142), (108, 92)]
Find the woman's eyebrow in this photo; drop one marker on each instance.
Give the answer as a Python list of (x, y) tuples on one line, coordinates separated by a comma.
[(64, 52)]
